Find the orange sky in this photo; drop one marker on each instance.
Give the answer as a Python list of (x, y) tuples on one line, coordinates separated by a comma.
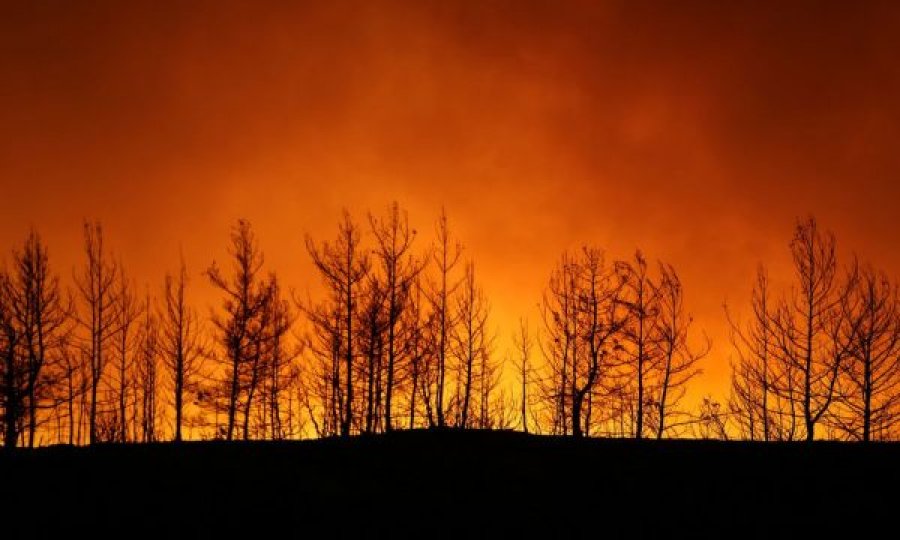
[(696, 133)]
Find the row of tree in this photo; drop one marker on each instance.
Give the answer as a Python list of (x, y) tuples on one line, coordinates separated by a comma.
[(821, 357), (617, 348), (86, 364), (400, 337), (397, 339)]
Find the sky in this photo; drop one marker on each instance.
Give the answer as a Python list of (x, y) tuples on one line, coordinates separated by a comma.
[(696, 131)]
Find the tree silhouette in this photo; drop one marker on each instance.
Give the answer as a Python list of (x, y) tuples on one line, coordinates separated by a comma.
[(642, 301), (241, 326), (278, 362), (127, 312), (583, 314), (522, 342), (72, 380), (371, 327), (417, 349), (753, 374), (871, 372), (445, 257), (343, 267), (810, 325), (394, 239), (146, 374), (180, 343), (41, 312), (676, 357), (13, 372), (321, 391), (825, 353), (471, 341), (97, 286)]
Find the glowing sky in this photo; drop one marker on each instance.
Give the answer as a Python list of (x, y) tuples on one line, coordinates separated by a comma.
[(697, 132)]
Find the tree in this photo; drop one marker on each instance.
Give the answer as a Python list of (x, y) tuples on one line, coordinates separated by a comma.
[(372, 323), (96, 285), (73, 379), (583, 314), (642, 302), (753, 373), (320, 390), (41, 313), (810, 326), (871, 375), (677, 358), (494, 410), (522, 343), (146, 374), (441, 290), (471, 342), (343, 266), (277, 362), (240, 327), (13, 373), (394, 240), (180, 342), (127, 312), (417, 343)]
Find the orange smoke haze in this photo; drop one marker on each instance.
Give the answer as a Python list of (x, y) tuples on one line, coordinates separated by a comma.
[(695, 132)]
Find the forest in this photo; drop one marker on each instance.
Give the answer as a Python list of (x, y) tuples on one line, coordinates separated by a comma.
[(401, 337)]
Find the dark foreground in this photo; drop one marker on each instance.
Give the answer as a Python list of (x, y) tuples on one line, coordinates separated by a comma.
[(451, 484)]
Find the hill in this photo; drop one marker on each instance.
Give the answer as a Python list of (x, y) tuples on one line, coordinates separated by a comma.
[(451, 484)]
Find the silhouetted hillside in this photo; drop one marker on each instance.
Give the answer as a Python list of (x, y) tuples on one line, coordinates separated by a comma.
[(451, 484)]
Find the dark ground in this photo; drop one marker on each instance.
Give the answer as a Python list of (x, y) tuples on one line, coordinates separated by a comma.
[(452, 484)]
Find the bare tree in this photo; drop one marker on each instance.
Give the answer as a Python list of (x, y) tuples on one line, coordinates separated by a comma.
[(394, 239), (180, 342), (278, 366), (871, 375), (523, 343), (372, 323), (584, 314), (254, 373), (240, 327), (494, 410), (146, 374), (558, 315), (471, 341), (321, 392), (41, 313), (678, 360), (343, 266), (445, 257), (753, 373), (764, 387), (14, 374), (97, 286), (642, 301), (417, 344), (810, 326), (73, 381), (127, 312)]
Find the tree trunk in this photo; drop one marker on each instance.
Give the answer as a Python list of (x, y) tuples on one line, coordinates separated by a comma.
[(348, 411), (232, 401), (867, 398), (179, 393), (576, 416), (11, 412), (389, 390)]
